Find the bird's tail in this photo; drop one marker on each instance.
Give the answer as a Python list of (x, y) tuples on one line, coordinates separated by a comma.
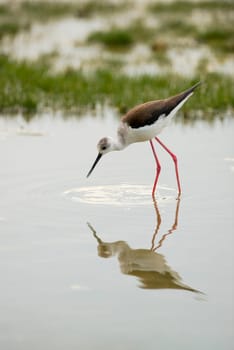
[(193, 87), (189, 91), (177, 101)]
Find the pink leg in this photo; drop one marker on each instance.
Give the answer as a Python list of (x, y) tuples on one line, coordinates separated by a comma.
[(174, 158), (158, 167)]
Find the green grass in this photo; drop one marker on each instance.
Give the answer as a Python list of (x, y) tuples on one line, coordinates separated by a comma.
[(10, 24), (9, 28), (218, 38), (122, 37), (4, 10), (46, 10), (21, 16), (114, 38), (187, 6), (30, 89), (92, 8), (177, 27)]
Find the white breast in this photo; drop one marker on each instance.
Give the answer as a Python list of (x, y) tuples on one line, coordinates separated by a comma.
[(147, 132)]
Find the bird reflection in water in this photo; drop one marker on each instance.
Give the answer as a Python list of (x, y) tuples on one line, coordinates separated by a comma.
[(147, 265)]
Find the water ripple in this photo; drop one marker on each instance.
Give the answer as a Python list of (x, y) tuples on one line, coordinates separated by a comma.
[(118, 195)]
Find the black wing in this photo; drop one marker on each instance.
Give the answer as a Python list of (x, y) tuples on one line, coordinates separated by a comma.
[(149, 112)]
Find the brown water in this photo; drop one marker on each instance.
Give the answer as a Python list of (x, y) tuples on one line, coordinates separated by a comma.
[(139, 275)]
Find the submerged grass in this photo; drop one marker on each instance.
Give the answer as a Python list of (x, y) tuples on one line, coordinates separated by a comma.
[(31, 88)]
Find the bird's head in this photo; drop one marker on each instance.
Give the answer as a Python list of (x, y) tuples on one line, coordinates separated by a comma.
[(104, 146)]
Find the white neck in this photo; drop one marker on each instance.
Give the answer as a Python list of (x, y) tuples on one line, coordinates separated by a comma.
[(118, 144)]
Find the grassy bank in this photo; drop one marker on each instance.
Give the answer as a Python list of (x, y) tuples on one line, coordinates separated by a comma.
[(30, 88)]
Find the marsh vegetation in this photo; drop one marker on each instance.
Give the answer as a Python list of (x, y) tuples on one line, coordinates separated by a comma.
[(123, 54)]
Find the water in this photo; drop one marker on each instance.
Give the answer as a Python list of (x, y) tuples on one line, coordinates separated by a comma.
[(94, 263)]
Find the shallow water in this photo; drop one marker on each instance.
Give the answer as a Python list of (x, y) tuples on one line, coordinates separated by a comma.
[(94, 263)]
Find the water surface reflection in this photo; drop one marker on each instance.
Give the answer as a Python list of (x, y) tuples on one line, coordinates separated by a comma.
[(150, 267), (159, 221)]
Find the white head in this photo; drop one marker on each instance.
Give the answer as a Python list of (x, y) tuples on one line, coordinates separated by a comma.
[(105, 145)]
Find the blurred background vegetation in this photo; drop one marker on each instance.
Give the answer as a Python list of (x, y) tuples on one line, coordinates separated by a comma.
[(72, 56)]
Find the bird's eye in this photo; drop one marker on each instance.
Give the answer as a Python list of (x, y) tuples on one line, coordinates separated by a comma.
[(103, 148)]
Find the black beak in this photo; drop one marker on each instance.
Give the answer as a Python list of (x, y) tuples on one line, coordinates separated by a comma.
[(94, 164)]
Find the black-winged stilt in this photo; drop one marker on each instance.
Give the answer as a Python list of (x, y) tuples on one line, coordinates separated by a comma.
[(143, 123)]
